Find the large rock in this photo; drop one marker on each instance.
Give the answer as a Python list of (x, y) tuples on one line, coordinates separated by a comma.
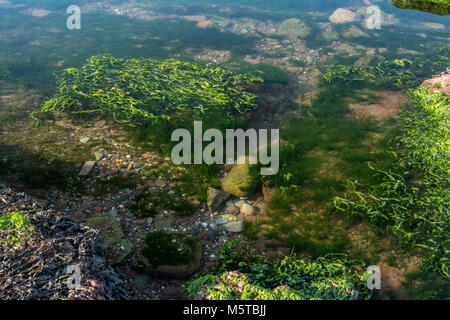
[(248, 210), (116, 245), (216, 198), (294, 27), (344, 16), (176, 272), (235, 226), (439, 85), (239, 182), (87, 168)]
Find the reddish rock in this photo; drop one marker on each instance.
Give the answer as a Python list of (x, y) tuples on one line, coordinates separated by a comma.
[(196, 203), (273, 243), (172, 291), (202, 235), (260, 246), (232, 210), (98, 209), (145, 156), (438, 85), (272, 255)]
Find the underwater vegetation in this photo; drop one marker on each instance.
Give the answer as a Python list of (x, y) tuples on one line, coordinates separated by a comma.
[(239, 275), (398, 73), (413, 199), (440, 7), (143, 91)]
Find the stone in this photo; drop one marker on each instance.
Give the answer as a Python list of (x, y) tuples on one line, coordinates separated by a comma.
[(177, 272), (239, 203), (85, 140), (216, 198), (160, 183), (248, 210), (117, 247), (232, 210), (235, 226), (272, 255), (220, 221), (344, 16), (440, 84), (202, 235), (212, 235), (239, 182), (171, 291), (163, 224), (87, 168), (273, 243), (260, 246), (98, 155)]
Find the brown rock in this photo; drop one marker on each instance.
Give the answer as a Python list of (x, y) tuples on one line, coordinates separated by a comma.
[(272, 255), (232, 210), (273, 243), (438, 85), (171, 291)]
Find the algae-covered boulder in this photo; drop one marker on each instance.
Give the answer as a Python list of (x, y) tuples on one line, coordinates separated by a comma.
[(116, 245), (171, 255), (439, 7), (239, 182), (294, 27)]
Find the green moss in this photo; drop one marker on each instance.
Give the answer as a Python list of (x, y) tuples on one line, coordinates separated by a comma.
[(17, 228), (114, 184), (147, 92), (439, 7), (240, 275), (149, 202), (240, 181), (162, 248)]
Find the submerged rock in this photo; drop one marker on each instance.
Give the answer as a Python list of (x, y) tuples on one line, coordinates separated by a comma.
[(344, 16), (239, 181), (216, 198)]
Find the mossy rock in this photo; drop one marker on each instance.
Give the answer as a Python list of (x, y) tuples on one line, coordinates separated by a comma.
[(113, 239), (170, 255), (240, 181), (439, 7)]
